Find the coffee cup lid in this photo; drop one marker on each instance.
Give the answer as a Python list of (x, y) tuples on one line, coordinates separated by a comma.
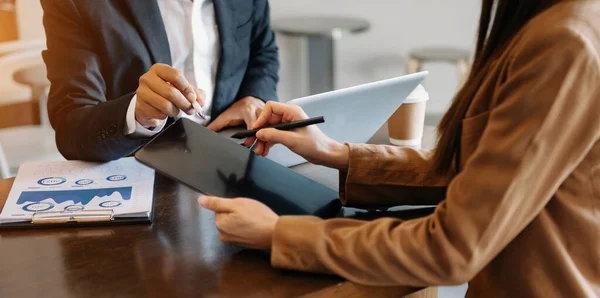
[(418, 95)]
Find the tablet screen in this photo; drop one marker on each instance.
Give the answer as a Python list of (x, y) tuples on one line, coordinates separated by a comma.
[(214, 165)]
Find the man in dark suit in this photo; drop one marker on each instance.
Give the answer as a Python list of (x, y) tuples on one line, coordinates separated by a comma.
[(121, 70)]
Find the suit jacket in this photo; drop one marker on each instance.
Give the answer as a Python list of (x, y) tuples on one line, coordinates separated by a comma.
[(521, 219), (98, 50)]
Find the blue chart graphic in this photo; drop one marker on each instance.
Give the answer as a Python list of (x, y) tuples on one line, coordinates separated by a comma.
[(116, 178), (45, 200), (52, 181), (84, 182)]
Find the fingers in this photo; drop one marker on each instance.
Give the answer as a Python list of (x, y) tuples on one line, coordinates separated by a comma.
[(217, 205), (265, 149), (147, 115), (221, 208), (222, 222), (275, 136), (157, 101), (200, 96), (234, 240), (259, 148), (175, 78), (226, 237), (218, 124), (169, 95), (276, 112), (249, 141), (251, 116), (261, 121), (224, 121)]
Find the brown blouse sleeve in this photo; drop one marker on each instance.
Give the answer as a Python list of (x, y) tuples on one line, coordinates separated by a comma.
[(543, 123), (385, 176)]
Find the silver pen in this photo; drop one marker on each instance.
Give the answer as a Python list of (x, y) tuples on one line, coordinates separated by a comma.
[(199, 110)]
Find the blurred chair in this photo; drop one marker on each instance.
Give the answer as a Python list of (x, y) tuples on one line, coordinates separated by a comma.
[(25, 144), (21, 46), (21, 54), (32, 140), (460, 58), (4, 171)]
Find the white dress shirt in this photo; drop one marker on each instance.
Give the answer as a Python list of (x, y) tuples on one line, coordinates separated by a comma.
[(194, 44)]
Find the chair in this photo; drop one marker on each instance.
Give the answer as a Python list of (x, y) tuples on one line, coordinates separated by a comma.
[(458, 57), (21, 46), (26, 142), (417, 58), (23, 53), (4, 171)]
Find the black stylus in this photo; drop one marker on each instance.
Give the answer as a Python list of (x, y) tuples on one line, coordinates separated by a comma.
[(282, 126)]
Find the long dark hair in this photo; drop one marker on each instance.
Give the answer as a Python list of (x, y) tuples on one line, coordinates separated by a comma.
[(506, 18)]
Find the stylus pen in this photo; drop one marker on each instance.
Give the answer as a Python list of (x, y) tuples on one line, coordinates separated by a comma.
[(282, 126)]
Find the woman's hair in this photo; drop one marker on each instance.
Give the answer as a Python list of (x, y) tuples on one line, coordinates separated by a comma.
[(499, 22)]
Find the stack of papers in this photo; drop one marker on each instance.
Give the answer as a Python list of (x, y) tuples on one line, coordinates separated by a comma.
[(121, 189)]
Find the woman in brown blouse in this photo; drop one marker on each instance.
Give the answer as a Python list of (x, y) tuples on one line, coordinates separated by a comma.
[(516, 174)]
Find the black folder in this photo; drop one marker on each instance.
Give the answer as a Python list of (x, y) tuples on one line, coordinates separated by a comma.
[(214, 165)]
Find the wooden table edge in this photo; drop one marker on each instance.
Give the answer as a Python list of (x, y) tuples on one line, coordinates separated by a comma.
[(341, 289), (352, 290)]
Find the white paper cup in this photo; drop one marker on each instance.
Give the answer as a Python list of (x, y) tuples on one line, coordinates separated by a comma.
[(405, 126)]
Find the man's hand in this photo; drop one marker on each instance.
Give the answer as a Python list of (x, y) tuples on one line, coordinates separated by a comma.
[(243, 111), (162, 92), (243, 222)]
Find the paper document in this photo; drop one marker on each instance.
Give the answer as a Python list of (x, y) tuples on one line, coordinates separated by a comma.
[(124, 188)]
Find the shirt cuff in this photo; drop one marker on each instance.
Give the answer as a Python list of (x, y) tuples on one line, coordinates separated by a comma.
[(133, 128)]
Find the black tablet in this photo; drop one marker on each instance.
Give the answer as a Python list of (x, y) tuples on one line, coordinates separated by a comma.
[(212, 164)]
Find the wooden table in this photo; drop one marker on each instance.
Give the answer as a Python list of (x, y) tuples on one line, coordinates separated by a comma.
[(179, 255)]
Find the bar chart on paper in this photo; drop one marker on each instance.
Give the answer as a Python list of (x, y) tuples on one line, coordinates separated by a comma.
[(123, 187)]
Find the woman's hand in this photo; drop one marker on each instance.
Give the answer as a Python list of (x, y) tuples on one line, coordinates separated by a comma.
[(243, 222), (309, 142)]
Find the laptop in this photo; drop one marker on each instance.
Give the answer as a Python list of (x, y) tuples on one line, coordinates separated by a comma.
[(352, 115)]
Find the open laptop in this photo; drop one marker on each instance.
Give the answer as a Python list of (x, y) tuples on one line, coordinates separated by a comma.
[(353, 114)]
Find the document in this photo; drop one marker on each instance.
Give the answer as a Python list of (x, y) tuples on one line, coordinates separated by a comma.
[(122, 188)]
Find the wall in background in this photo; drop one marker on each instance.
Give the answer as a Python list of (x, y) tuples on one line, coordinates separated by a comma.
[(8, 21), (29, 19), (397, 27)]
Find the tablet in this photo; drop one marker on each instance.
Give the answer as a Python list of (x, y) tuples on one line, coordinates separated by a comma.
[(214, 165)]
